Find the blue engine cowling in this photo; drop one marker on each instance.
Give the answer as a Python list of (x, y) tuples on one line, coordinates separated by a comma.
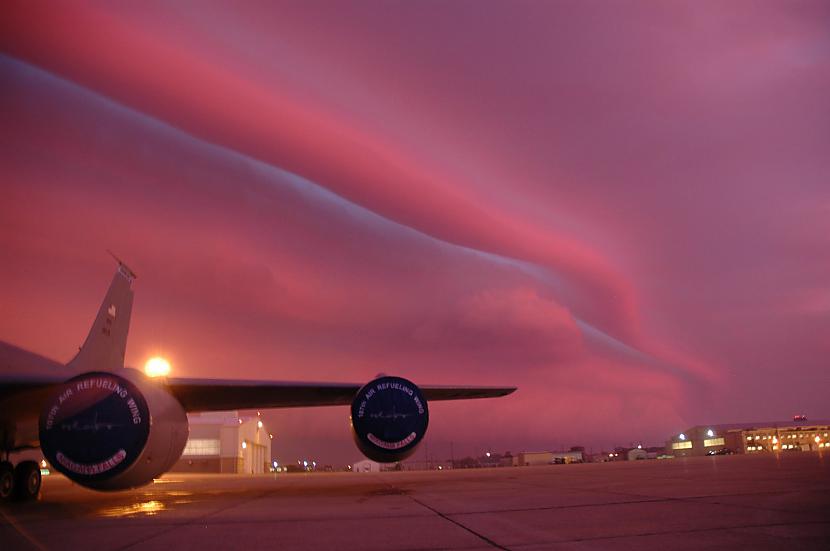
[(389, 419), (112, 431)]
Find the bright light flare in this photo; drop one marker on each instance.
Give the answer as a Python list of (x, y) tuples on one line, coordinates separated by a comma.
[(157, 367)]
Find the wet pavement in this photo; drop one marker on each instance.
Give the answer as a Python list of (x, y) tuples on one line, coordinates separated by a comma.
[(757, 502)]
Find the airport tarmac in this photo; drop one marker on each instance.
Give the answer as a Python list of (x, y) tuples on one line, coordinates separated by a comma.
[(753, 502)]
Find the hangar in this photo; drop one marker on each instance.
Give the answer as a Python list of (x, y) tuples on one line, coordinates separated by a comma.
[(224, 442)]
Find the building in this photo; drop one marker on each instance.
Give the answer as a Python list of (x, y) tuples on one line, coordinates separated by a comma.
[(224, 442), (796, 435), (573, 456), (636, 454), (366, 466), (530, 459)]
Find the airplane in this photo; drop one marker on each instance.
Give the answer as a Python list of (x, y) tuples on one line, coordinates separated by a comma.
[(110, 427)]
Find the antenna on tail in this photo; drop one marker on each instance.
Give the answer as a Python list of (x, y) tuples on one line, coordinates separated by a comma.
[(123, 268)]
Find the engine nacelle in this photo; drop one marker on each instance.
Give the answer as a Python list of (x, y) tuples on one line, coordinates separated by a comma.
[(389, 419), (112, 431)]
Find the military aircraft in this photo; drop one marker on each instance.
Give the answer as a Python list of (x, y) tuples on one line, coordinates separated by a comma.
[(110, 427)]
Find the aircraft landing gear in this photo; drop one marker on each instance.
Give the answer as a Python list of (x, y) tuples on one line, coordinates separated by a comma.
[(6, 480), (27, 480), (21, 483)]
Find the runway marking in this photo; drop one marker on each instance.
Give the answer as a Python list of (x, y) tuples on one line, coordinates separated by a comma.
[(394, 490), (448, 516), (652, 499), (22, 531), (695, 530), (460, 525)]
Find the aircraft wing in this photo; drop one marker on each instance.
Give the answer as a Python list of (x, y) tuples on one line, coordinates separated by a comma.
[(219, 395)]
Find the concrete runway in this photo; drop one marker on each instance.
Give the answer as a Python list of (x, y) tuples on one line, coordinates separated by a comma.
[(752, 502)]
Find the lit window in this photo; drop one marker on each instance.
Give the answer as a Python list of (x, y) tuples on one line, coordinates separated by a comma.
[(757, 437), (713, 442), (681, 445), (201, 446)]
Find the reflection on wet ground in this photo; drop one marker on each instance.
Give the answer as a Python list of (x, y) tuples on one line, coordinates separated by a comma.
[(145, 508), (162, 502)]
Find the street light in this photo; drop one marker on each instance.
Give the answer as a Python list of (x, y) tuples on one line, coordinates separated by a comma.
[(157, 367)]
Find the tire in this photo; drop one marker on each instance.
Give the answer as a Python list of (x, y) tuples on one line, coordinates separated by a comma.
[(6, 481), (27, 480)]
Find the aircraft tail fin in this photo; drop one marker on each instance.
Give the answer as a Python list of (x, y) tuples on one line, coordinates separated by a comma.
[(106, 344)]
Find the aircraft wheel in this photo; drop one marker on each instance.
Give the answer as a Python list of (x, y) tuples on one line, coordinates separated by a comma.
[(27, 480), (6, 480)]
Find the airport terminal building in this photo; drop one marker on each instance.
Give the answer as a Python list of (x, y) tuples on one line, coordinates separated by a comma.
[(224, 442), (796, 435)]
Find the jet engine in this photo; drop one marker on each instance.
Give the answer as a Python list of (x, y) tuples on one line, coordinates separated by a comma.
[(389, 419), (112, 431)]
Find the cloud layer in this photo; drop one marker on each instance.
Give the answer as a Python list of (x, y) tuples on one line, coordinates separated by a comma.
[(622, 210)]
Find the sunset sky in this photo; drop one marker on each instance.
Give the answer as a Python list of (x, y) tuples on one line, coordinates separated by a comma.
[(622, 208)]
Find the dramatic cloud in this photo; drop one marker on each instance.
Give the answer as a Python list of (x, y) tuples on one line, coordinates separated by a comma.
[(623, 209)]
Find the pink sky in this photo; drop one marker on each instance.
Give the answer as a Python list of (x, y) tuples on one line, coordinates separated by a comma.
[(622, 208)]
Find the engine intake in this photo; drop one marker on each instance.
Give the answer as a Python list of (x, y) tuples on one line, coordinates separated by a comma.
[(389, 419), (112, 431)]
